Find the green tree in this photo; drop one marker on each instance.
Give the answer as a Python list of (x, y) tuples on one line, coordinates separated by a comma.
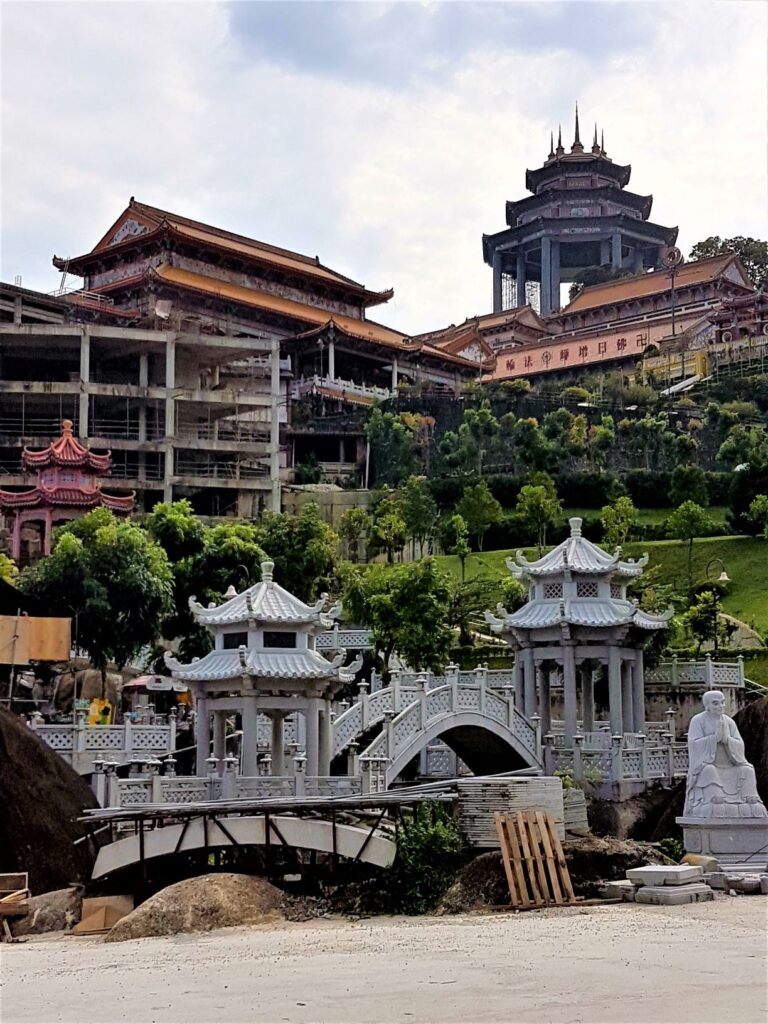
[(391, 440), (176, 528), (8, 571), (537, 511), (354, 527), (479, 510), (466, 451), (688, 483), (758, 513), (752, 252), (388, 529), (113, 578), (704, 620), (687, 522), (600, 439), (406, 609), (303, 548), (419, 512), (617, 521), (467, 604), (453, 538)]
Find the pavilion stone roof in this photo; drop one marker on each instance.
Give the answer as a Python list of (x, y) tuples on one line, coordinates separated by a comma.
[(589, 612), (576, 555), (66, 452), (284, 664), (265, 603)]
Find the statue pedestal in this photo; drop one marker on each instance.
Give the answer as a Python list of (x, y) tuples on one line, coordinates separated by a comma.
[(730, 840)]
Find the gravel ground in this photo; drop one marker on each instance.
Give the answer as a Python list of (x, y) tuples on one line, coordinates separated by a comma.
[(703, 963)]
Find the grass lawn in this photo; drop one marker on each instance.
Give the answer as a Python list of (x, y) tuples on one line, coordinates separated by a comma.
[(716, 513), (745, 560)]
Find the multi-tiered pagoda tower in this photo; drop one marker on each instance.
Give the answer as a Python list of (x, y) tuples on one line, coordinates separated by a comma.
[(580, 215)]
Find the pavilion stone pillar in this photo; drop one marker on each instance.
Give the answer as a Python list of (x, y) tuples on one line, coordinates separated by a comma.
[(249, 746), (277, 746), (16, 538), (517, 679), (638, 692), (219, 734), (325, 739), (520, 278), (546, 276), (497, 282), (570, 701), (202, 734), (628, 718), (312, 718), (331, 360), (588, 698), (529, 683), (394, 373), (616, 250), (555, 275), (614, 690), (544, 710)]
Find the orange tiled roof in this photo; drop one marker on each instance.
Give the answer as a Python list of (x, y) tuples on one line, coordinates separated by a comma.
[(625, 288)]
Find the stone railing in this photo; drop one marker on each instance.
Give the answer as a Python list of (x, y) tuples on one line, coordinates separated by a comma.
[(711, 674), (495, 677), (342, 388), (81, 745), (349, 639), (631, 757)]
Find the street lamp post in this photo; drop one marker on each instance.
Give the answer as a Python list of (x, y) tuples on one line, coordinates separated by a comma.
[(723, 579)]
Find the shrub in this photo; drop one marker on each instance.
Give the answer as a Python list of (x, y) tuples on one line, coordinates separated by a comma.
[(428, 857)]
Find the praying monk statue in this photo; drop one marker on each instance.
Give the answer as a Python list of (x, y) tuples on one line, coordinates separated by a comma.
[(721, 782)]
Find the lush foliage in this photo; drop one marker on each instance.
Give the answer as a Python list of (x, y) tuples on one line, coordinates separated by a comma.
[(428, 857), (8, 571), (617, 521), (752, 252)]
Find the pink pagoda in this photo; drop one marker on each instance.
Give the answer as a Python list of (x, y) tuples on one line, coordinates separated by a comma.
[(68, 485)]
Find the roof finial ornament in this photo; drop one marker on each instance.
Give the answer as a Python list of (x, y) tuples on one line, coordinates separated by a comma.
[(577, 146), (602, 141), (551, 147), (559, 151), (595, 145), (267, 568)]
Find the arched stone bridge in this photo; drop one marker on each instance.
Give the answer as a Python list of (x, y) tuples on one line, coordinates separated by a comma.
[(480, 724)]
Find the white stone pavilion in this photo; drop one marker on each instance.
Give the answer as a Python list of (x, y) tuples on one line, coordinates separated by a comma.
[(578, 622), (264, 661)]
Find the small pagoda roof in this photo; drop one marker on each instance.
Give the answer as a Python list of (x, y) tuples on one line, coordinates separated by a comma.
[(67, 452), (294, 664), (589, 612), (579, 555), (266, 603), (66, 497)]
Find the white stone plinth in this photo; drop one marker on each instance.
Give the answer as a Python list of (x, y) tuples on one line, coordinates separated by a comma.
[(664, 874), (731, 840), (674, 895)]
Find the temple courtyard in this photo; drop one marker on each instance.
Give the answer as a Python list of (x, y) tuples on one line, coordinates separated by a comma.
[(623, 963)]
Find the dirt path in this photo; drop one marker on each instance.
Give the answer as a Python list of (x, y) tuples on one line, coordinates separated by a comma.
[(701, 964)]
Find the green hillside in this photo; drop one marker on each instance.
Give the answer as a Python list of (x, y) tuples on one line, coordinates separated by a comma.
[(745, 560)]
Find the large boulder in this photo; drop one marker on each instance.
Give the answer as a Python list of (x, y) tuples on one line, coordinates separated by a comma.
[(41, 797), (200, 905), (55, 911)]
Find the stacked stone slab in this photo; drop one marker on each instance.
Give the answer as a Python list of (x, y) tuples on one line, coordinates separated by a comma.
[(669, 885), (744, 884)]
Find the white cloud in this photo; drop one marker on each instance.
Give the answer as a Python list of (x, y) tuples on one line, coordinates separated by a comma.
[(393, 186)]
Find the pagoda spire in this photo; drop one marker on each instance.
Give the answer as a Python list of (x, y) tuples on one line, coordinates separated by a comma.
[(595, 146), (602, 141), (577, 146), (559, 151), (551, 147)]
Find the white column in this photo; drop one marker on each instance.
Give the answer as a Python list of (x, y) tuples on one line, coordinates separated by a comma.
[(249, 744), (570, 701), (83, 428), (331, 360), (278, 743), (638, 692), (394, 373), (588, 698), (529, 684), (628, 718), (614, 691), (545, 713), (202, 735), (325, 741), (517, 679), (219, 734), (312, 716)]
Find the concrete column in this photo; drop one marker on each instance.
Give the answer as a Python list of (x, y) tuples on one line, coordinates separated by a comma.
[(219, 734), (520, 278), (394, 373), (278, 743), (249, 744), (628, 718), (638, 692), (83, 428), (546, 276), (555, 274), (274, 425), (312, 718), (143, 383), (588, 698), (497, 298), (170, 415), (202, 736), (570, 700), (605, 252), (616, 249), (325, 739), (331, 360), (517, 680), (614, 691), (542, 682), (529, 684)]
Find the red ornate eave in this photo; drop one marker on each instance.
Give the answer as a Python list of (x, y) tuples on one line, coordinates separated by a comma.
[(65, 452)]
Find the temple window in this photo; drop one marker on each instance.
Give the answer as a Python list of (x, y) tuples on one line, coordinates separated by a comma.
[(616, 590), (231, 641), (279, 639), (586, 588), (553, 591)]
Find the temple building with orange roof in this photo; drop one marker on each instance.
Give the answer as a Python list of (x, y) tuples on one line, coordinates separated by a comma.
[(67, 485)]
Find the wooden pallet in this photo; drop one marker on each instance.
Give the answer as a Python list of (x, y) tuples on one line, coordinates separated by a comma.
[(14, 893), (534, 862)]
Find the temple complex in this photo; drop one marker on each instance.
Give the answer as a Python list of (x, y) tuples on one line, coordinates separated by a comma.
[(67, 485), (579, 215)]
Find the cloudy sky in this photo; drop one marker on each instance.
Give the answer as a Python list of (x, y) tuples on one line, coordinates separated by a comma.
[(384, 137)]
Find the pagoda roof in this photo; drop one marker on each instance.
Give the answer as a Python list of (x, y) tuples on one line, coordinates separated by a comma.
[(147, 223), (67, 452), (66, 497), (577, 163), (578, 197), (284, 664), (579, 555), (590, 613), (625, 289), (266, 603)]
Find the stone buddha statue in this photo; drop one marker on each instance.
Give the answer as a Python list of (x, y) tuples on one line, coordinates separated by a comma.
[(721, 782)]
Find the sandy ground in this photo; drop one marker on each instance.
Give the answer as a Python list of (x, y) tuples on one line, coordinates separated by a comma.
[(604, 964)]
